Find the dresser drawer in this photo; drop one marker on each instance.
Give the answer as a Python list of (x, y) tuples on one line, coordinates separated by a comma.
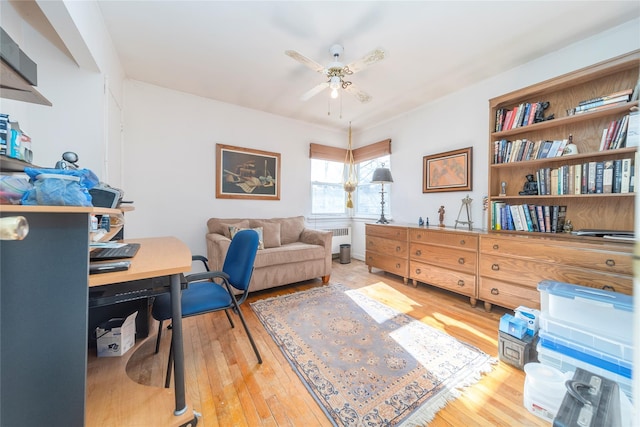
[(507, 294), (455, 240), (391, 264), (387, 247), (599, 257), (527, 273), (387, 232), (452, 280), (455, 259)]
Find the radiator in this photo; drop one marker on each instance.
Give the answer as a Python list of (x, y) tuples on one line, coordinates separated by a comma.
[(341, 236)]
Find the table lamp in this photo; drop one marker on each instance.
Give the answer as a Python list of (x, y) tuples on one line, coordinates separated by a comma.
[(381, 176)]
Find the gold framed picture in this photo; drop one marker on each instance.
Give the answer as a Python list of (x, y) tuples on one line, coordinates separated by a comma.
[(448, 171), (245, 173)]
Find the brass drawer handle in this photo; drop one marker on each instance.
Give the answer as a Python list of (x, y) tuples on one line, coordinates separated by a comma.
[(495, 291), (495, 267), (496, 247), (418, 236), (462, 242), (398, 265), (398, 248), (418, 271), (418, 252), (609, 288), (610, 262), (461, 283), (460, 260)]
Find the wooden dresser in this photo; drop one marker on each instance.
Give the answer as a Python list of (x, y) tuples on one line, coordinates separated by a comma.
[(387, 248), (445, 258), (511, 266)]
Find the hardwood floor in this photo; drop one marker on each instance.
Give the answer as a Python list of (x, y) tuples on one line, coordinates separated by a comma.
[(227, 386)]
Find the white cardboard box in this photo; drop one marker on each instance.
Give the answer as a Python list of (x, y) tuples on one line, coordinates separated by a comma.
[(116, 336), (529, 315)]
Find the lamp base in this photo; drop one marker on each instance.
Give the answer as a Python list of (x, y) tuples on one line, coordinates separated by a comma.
[(382, 220)]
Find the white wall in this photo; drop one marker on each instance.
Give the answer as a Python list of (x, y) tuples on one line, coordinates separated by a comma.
[(170, 141)]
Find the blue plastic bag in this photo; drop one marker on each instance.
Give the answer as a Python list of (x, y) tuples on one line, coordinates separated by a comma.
[(60, 187)]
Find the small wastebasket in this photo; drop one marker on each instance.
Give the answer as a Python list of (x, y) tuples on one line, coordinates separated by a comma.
[(345, 253)]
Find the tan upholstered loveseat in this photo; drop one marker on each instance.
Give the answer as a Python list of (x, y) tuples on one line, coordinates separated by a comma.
[(292, 253)]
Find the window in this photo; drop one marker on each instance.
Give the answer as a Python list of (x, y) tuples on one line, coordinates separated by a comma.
[(327, 195), (329, 198)]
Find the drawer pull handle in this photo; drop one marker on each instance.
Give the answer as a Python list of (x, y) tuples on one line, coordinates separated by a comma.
[(611, 262), (460, 260), (418, 271), (398, 249), (495, 291), (495, 267), (462, 242), (496, 247), (418, 252), (419, 236), (461, 283), (398, 265), (609, 288)]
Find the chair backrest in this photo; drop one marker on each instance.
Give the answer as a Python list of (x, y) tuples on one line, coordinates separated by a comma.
[(238, 263)]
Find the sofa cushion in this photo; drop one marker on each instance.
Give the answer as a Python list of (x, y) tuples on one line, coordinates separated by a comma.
[(233, 230), (287, 254), (271, 232), (221, 226), (290, 229)]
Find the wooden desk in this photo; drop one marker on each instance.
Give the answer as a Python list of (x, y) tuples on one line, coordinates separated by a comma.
[(43, 327), (112, 397)]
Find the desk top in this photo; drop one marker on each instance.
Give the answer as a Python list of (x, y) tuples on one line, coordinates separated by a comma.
[(158, 256)]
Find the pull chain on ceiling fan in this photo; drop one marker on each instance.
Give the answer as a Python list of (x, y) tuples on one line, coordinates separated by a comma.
[(336, 72)]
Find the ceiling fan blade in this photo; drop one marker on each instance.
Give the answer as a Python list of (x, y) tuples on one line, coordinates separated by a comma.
[(314, 91), (360, 95), (367, 60), (305, 61)]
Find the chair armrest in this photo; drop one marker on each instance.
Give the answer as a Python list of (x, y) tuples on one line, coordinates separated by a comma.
[(316, 237), (207, 275), (217, 247)]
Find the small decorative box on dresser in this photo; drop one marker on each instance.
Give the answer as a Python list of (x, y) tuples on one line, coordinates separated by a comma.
[(445, 258), (511, 267), (387, 249)]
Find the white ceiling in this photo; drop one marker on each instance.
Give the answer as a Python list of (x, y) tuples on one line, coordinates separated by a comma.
[(233, 51)]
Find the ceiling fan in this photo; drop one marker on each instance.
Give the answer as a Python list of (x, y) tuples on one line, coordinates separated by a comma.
[(336, 72)]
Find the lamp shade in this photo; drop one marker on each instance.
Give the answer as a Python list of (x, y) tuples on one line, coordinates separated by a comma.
[(381, 175)]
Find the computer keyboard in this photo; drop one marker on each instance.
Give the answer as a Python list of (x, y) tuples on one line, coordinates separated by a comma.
[(127, 251)]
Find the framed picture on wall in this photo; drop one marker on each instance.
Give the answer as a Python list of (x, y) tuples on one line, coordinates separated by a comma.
[(448, 171), (245, 173)]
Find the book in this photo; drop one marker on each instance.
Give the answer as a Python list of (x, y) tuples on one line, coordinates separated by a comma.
[(553, 150), (517, 220), (617, 176), (607, 177), (547, 218), (620, 93), (571, 184), (553, 183), (540, 216), (633, 130), (523, 217), (530, 219), (606, 101), (626, 175), (497, 215), (591, 178), (509, 219), (584, 186), (603, 140), (561, 145), (610, 132), (621, 134), (532, 113), (577, 179), (599, 177)]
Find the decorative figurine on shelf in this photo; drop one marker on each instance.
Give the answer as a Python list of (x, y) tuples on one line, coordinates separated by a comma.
[(570, 148), (466, 203), (539, 116), (427, 223), (420, 222), (441, 217), (568, 227), (503, 189), (530, 187)]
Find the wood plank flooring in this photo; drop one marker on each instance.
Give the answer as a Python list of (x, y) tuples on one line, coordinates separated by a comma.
[(227, 386)]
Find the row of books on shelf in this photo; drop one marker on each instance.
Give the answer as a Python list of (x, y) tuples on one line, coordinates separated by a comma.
[(605, 101), (527, 217), (505, 151), (521, 115), (608, 176), (621, 133)]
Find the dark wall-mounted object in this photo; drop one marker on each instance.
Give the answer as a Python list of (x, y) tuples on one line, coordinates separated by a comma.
[(11, 54)]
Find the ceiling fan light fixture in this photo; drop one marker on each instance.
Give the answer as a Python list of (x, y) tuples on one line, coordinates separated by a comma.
[(335, 83), (334, 93)]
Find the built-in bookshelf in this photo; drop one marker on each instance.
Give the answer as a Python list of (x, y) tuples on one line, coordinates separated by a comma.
[(569, 136)]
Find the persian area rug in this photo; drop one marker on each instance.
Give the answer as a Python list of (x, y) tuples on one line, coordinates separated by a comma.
[(365, 363)]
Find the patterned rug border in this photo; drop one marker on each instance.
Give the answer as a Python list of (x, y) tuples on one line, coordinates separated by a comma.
[(416, 415)]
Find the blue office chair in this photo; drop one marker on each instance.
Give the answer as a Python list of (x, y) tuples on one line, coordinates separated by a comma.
[(204, 295)]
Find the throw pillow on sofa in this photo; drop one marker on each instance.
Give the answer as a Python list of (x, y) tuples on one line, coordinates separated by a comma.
[(233, 230)]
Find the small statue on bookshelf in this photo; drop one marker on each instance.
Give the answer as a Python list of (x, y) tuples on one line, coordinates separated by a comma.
[(568, 227), (503, 189), (530, 187), (441, 218), (539, 116)]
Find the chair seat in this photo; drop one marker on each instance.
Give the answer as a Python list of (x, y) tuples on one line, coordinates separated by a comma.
[(200, 297)]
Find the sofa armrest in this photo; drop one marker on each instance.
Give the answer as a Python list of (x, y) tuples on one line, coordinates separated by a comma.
[(322, 238), (217, 247)]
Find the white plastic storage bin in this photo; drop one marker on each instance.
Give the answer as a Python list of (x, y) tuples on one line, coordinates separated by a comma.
[(604, 343), (591, 310), (569, 364)]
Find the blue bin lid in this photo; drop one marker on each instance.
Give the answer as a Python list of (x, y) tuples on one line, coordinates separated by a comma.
[(567, 290)]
